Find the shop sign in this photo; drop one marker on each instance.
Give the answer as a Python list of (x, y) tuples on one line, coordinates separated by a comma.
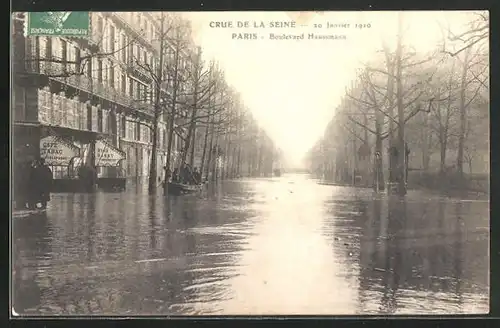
[(57, 152), (107, 155)]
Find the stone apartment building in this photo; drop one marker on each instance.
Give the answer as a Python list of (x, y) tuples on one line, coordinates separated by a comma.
[(102, 108)]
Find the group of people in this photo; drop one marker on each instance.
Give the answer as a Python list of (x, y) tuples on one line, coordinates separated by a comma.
[(33, 182), (185, 174)]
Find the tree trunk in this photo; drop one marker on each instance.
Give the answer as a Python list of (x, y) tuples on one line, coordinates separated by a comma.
[(463, 116), (238, 163), (192, 124), (366, 141), (215, 150), (210, 150), (157, 111), (204, 152), (401, 176), (442, 150), (426, 135), (154, 147), (193, 147), (378, 169), (390, 112), (173, 111), (225, 163)]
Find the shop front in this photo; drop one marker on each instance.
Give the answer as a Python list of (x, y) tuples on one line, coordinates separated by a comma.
[(107, 161), (61, 156)]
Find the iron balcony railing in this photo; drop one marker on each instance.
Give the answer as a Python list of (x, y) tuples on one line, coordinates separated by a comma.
[(82, 82)]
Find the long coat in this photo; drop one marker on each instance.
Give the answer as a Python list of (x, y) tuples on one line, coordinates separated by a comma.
[(45, 177)]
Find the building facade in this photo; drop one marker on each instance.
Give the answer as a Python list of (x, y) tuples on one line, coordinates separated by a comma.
[(92, 93)]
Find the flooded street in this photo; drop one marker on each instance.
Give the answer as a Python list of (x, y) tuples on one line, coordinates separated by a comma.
[(253, 247)]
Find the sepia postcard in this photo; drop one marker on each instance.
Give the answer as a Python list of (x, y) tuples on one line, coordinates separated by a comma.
[(250, 163)]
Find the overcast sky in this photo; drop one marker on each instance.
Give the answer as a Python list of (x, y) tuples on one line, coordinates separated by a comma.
[(293, 87)]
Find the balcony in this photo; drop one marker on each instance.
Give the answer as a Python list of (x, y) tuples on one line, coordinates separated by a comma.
[(81, 82)]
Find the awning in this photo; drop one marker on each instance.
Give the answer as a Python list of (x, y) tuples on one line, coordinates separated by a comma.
[(107, 155), (57, 151)]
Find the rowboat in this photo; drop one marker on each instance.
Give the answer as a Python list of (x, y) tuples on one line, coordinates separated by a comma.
[(175, 188)]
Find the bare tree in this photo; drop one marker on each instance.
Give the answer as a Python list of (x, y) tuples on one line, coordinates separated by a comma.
[(476, 32), (162, 72)]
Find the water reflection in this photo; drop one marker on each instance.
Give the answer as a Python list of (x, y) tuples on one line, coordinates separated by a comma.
[(266, 246), (418, 266), (121, 254)]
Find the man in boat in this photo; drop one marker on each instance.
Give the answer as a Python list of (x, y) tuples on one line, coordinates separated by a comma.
[(197, 176), (168, 174), (188, 174), (183, 174), (175, 175)]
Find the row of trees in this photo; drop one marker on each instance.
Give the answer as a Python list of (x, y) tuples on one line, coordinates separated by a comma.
[(200, 107), (423, 102), (188, 93)]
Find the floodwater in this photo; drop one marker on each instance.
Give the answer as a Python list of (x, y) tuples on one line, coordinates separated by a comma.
[(280, 246)]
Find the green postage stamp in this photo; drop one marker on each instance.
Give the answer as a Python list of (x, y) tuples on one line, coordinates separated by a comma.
[(59, 23)]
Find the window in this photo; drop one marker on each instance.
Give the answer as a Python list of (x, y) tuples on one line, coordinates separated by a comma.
[(138, 92), (130, 52), (131, 88), (36, 54), (145, 57), (131, 130), (64, 52), (99, 70), (106, 122), (147, 94), (138, 53), (111, 75), (100, 25), (124, 84), (78, 56), (118, 79), (99, 120), (123, 127), (112, 39), (71, 57), (105, 72), (89, 68), (151, 94), (48, 48), (138, 131), (124, 48)]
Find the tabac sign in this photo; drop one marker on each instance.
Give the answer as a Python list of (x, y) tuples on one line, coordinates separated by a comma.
[(57, 151), (107, 155), (58, 23)]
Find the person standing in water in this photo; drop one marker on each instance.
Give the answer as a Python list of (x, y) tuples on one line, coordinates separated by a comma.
[(45, 177)]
